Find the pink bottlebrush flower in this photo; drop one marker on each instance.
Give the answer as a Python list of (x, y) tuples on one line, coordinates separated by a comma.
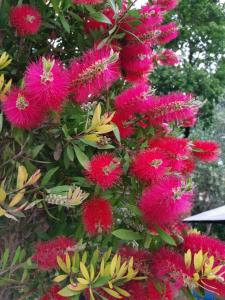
[(168, 58), (94, 72), (168, 196), (48, 82), (183, 166), (169, 266), (172, 107), (97, 216), (212, 246), (167, 33), (46, 252), (166, 5), (147, 34), (206, 151), (131, 51), (151, 15), (133, 100), (21, 110), (52, 294), (166, 292), (137, 290), (150, 165), (188, 122), (125, 126), (26, 19), (104, 170), (175, 147), (87, 2), (141, 258)]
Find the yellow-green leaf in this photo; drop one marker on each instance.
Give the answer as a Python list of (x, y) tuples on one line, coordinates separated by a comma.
[(112, 293), (122, 291), (84, 271), (21, 177), (113, 265), (62, 265), (2, 195), (198, 260), (104, 129), (188, 258), (60, 278), (2, 212), (96, 117), (17, 198)]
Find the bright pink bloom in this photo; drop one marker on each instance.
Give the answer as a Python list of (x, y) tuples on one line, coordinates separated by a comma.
[(168, 58), (166, 292), (104, 170), (166, 5), (52, 294), (48, 82), (167, 196), (26, 19), (212, 246), (167, 33), (150, 165), (133, 100), (124, 125), (183, 166), (87, 2), (94, 72), (151, 15), (46, 252), (206, 151), (97, 216), (173, 146), (22, 110), (172, 107)]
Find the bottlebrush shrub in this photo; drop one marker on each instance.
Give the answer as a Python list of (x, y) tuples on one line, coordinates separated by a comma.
[(102, 160)]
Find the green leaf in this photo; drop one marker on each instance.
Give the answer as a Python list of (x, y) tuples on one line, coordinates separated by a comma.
[(70, 152), (65, 24), (16, 256), (61, 189), (101, 281), (82, 158), (117, 133), (55, 6), (100, 17), (127, 235), (36, 150), (5, 258), (66, 292), (165, 237), (1, 121), (48, 176), (95, 145), (134, 209), (113, 6)]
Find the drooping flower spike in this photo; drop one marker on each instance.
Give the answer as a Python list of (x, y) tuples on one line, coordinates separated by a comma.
[(26, 19), (22, 110), (206, 151), (166, 5), (93, 73), (48, 82), (167, 58), (97, 216)]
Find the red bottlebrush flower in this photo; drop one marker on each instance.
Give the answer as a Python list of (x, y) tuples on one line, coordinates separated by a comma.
[(212, 246), (183, 166), (175, 147), (48, 82), (21, 110), (167, 33), (46, 252), (52, 294), (150, 165), (125, 125), (87, 2), (26, 19), (206, 151), (133, 100), (95, 71), (104, 170), (167, 196), (97, 216), (172, 107), (137, 290), (168, 265), (166, 292), (168, 58), (151, 15), (166, 5)]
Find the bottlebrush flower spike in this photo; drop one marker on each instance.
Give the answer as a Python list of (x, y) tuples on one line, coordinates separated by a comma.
[(48, 82), (166, 5), (52, 294), (150, 165), (125, 125), (97, 216), (168, 58), (206, 151), (87, 2), (46, 252), (169, 196), (104, 170), (172, 107), (210, 245), (151, 15), (94, 72), (21, 110), (167, 33), (26, 19), (133, 100)]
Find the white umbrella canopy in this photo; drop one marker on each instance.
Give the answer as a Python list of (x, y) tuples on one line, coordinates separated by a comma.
[(210, 216)]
